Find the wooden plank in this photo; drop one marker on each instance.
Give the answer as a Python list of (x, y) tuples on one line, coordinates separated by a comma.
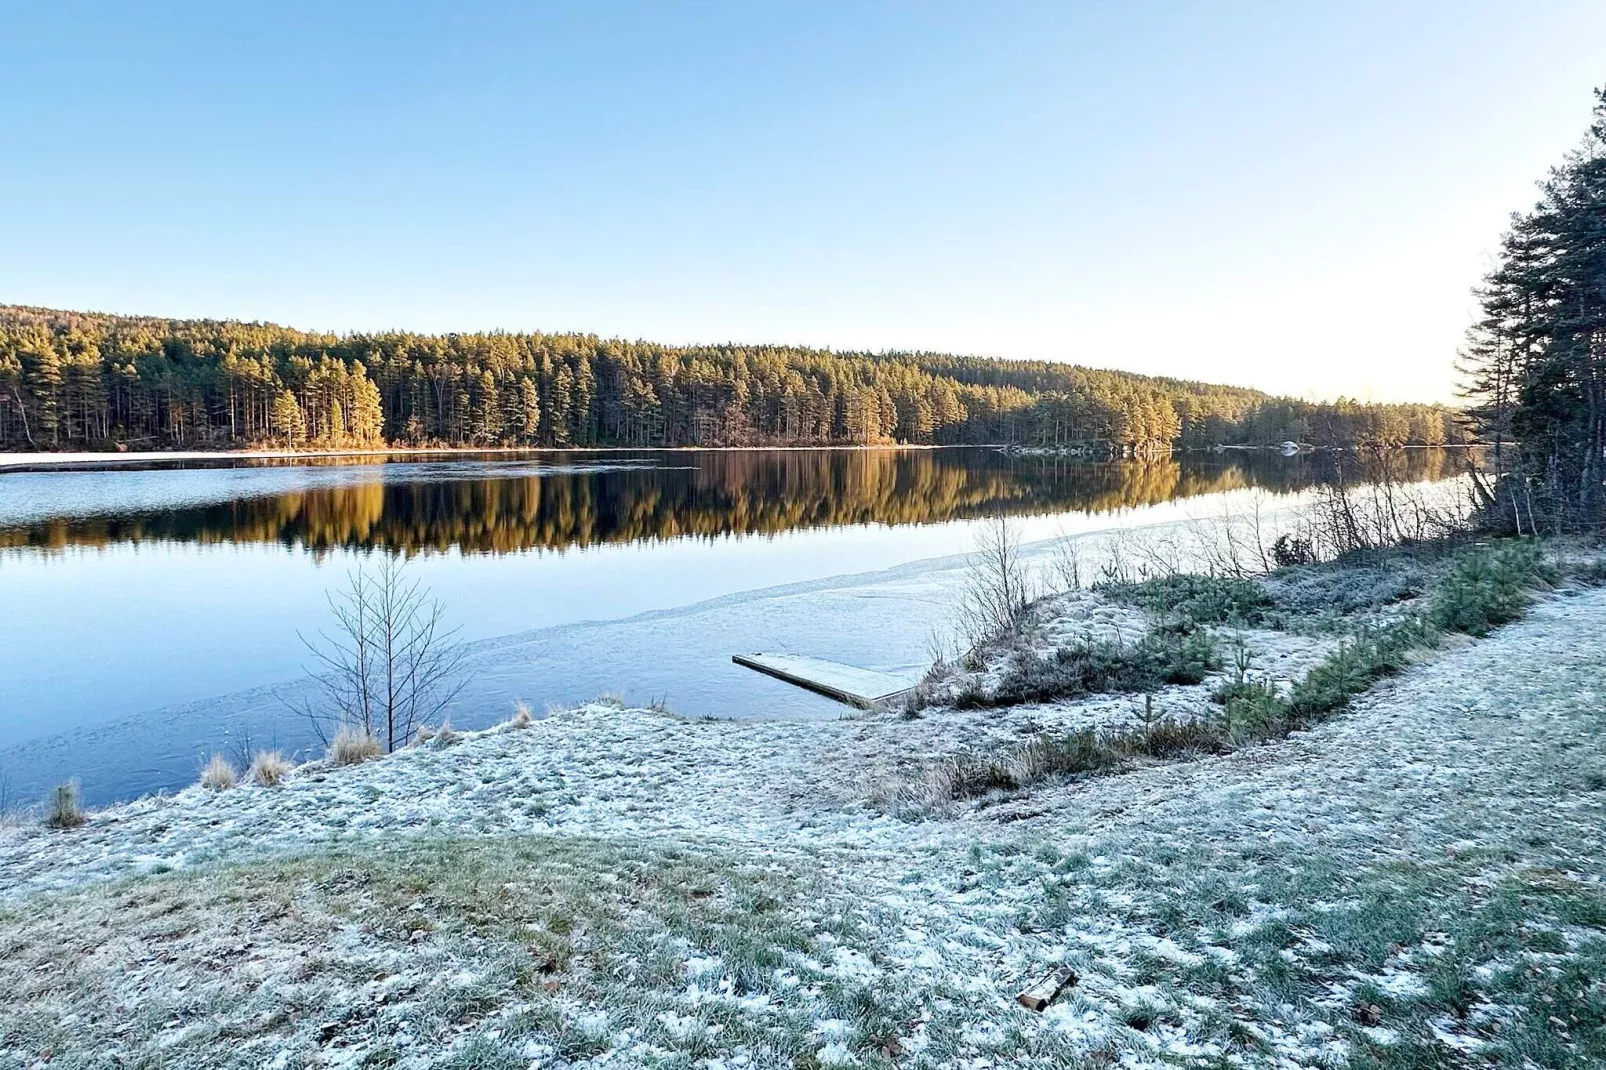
[(1046, 991), (864, 688)]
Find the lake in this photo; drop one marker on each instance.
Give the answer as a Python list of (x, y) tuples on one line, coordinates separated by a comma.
[(150, 615)]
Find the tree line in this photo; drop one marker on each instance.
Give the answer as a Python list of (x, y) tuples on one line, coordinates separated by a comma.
[(73, 380), (1535, 361)]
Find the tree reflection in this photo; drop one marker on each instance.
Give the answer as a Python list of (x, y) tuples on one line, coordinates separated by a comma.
[(709, 495)]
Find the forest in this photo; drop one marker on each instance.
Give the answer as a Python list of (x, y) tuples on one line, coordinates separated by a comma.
[(72, 380), (1535, 361)]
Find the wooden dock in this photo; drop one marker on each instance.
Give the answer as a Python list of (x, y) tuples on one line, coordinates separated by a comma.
[(864, 688)]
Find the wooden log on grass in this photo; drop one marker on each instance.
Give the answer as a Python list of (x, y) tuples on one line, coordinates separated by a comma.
[(1046, 991)]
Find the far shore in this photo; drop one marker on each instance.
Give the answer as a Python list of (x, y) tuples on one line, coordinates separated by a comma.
[(23, 462), (98, 458)]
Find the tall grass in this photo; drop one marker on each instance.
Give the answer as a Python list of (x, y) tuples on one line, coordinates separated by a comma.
[(218, 774), (268, 768), (352, 745)]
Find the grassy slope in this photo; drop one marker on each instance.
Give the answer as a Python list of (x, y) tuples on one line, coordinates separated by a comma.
[(1415, 883)]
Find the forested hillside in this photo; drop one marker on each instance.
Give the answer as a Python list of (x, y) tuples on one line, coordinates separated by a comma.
[(79, 380)]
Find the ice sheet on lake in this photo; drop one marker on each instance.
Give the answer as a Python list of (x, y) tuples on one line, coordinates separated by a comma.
[(681, 657)]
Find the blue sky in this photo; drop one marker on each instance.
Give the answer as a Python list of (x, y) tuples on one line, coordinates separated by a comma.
[(1295, 196)]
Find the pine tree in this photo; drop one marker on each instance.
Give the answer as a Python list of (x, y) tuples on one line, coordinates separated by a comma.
[(41, 372), (529, 410), (288, 422), (367, 414), (1536, 360)]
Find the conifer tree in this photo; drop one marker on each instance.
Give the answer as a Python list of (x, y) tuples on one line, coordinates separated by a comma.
[(1535, 362)]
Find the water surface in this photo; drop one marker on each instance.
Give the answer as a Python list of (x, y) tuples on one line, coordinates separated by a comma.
[(151, 615)]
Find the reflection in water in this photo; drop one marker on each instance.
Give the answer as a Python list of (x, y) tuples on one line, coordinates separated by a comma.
[(176, 635), (415, 508)]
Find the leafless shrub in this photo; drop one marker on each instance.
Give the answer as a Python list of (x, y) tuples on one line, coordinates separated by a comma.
[(997, 589), (268, 768), (63, 808), (1065, 564), (391, 664), (1345, 519), (930, 690), (1158, 553), (353, 744), (1238, 543), (1115, 567), (218, 774)]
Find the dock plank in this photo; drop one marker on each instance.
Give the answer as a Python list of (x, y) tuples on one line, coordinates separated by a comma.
[(864, 688)]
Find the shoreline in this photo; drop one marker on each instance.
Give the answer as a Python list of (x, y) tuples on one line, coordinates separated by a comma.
[(19, 462), (92, 460), (491, 894)]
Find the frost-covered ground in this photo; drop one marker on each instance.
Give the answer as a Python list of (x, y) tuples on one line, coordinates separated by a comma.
[(1415, 883)]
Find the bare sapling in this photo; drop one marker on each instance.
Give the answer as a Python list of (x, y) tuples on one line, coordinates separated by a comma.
[(997, 587), (1067, 563), (1238, 543), (1383, 512), (390, 664)]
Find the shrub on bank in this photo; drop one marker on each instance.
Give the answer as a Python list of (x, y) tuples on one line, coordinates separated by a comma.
[(1487, 589), (1097, 667), (64, 811), (1481, 591), (1197, 599)]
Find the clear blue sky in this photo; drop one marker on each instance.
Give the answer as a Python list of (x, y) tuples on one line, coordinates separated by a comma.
[(1290, 195)]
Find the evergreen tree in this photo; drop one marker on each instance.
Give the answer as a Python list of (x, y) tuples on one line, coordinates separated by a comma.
[(287, 420), (1536, 360)]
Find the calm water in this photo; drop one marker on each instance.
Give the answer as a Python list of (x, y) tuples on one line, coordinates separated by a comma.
[(148, 617)]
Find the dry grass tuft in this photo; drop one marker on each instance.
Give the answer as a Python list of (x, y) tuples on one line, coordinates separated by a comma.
[(218, 774), (522, 717), (65, 811), (353, 745), (269, 768), (444, 735)]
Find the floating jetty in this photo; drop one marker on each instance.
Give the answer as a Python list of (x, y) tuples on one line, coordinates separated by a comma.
[(864, 688)]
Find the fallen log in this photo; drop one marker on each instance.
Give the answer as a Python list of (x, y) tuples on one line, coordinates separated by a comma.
[(1046, 991)]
